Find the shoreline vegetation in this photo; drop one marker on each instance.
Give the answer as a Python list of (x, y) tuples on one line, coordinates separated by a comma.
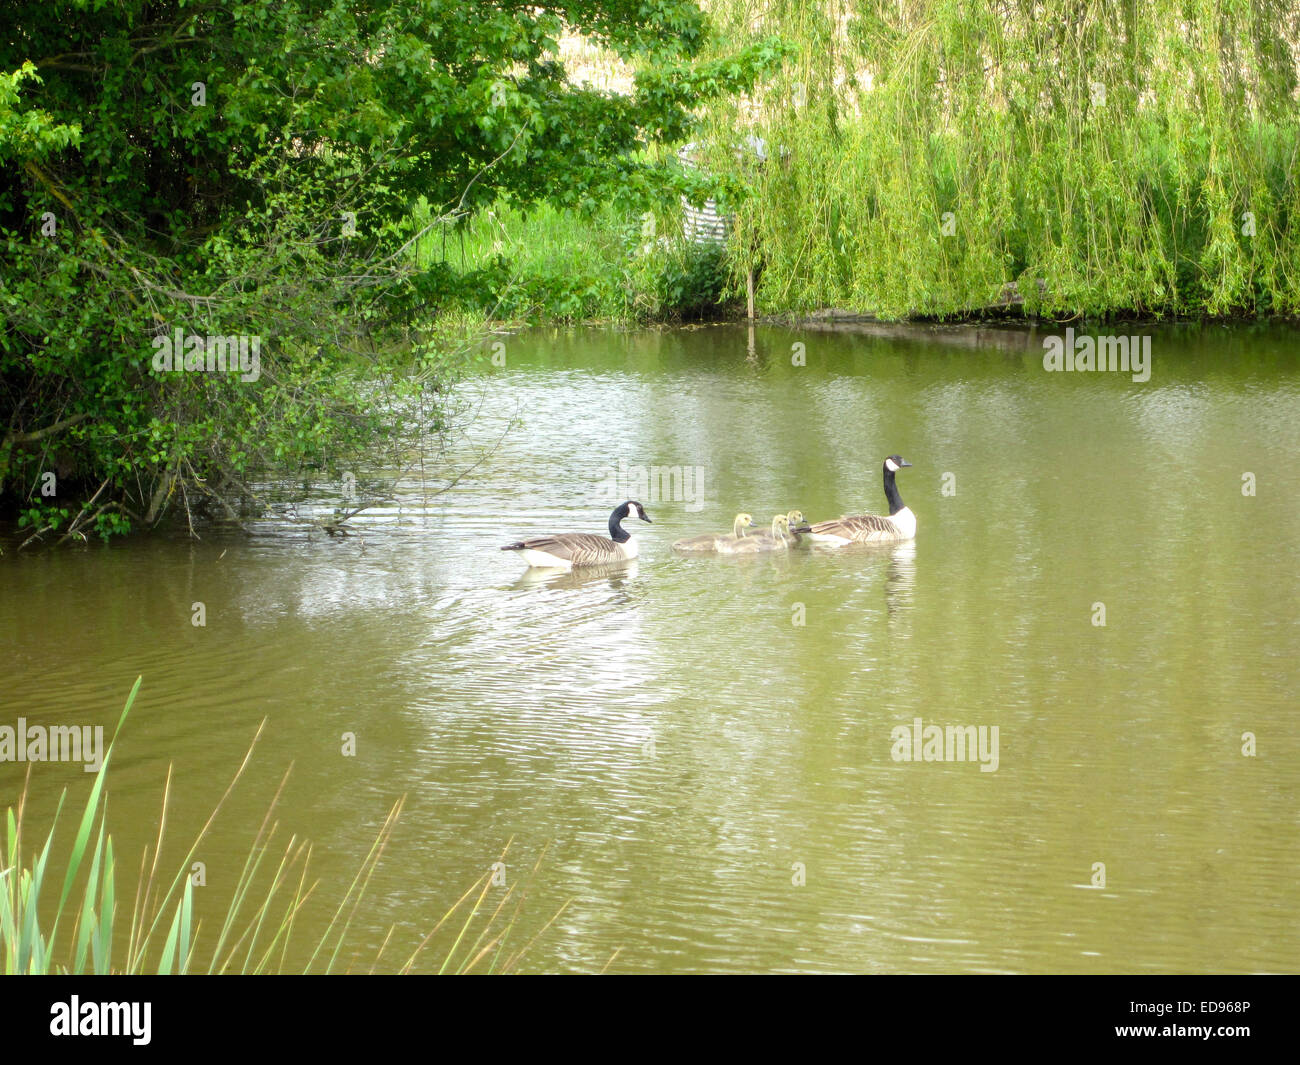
[(173, 170), (1111, 160), (876, 161), (968, 161)]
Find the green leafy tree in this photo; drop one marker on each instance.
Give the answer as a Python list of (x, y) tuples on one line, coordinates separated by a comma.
[(247, 169)]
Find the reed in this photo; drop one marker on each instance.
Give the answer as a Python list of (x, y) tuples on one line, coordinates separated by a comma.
[(81, 932)]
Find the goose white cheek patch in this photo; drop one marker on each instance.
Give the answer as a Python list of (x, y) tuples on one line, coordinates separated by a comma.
[(891, 466)]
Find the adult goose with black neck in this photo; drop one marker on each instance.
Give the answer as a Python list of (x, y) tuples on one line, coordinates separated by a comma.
[(572, 550), (871, 528)]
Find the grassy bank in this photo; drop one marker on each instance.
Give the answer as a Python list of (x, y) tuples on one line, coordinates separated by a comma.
[(559, 264)]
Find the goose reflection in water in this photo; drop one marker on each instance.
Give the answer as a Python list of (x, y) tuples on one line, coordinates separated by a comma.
[(616, 574), (892, 565), (900, 575)]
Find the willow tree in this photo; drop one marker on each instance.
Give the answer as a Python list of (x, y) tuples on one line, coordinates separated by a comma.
[(245, 171), (1107, 157)]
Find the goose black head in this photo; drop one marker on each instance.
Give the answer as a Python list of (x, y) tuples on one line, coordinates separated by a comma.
[(630, 509), (895, 463)]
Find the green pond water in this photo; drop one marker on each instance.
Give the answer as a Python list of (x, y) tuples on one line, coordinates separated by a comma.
[(698, 755)]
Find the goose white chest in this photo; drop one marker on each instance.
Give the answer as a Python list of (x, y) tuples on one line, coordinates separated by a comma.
[(906, 522)]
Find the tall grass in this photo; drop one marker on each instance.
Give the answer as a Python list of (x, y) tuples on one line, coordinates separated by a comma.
[(564, 265), (1106, 157), (82, 932)]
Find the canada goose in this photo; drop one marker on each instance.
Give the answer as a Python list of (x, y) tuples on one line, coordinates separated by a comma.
[(709, 541), (585, 549), (870, 528), (776, 539)]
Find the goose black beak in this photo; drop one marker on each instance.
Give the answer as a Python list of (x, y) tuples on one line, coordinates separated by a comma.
[(905, 463), (646, 518)]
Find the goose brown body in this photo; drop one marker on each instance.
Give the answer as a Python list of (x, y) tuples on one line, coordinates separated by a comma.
[(570, 550)]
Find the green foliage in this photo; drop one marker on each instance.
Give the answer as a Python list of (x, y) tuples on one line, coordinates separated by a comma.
[(29, 134), (111, 524), (42, 516), (248, 170), (1117, 154)]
